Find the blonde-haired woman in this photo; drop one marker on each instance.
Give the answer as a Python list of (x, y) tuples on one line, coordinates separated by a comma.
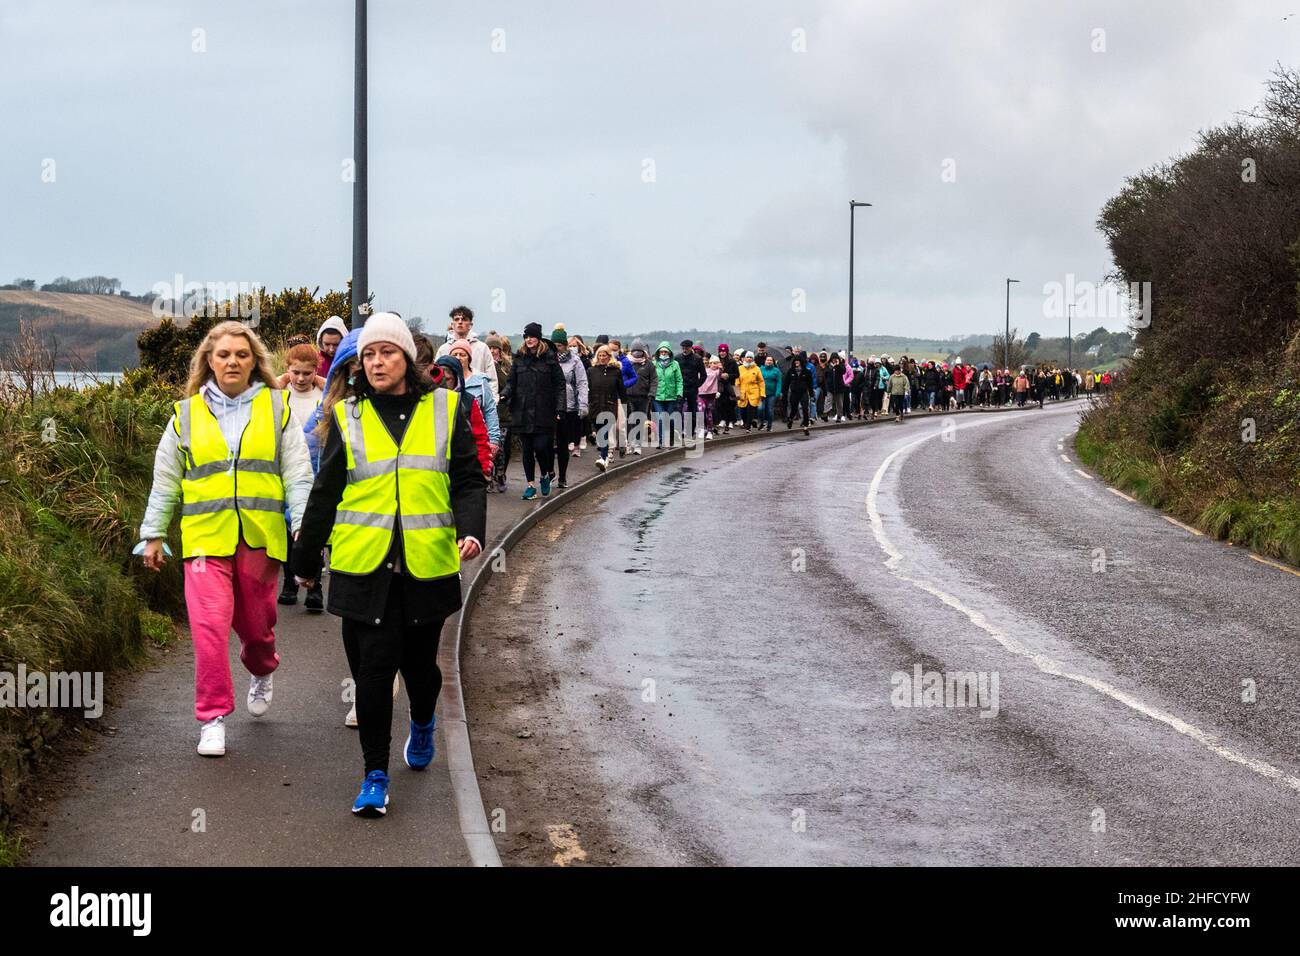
[(232, 457)]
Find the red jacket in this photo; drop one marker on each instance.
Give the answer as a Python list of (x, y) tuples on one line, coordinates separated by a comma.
[(476, 421), (960, 376), (480, 432)]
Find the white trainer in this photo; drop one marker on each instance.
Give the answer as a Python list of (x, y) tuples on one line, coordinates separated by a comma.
[(636, 450), (259, 695), (602, 464), (212, 738)]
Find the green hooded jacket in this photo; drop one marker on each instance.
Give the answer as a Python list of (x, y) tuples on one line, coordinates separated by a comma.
[(670, 376)]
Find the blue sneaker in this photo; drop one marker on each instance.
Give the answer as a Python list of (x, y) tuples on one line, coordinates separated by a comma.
[(530, 492), (372, 801), (546, 485), (419, 745)]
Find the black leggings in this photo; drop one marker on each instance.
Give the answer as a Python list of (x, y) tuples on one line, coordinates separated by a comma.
[(376, 652), (570, 430), (539, 446)]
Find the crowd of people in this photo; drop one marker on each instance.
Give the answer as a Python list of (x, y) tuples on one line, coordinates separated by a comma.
[(382, 445)]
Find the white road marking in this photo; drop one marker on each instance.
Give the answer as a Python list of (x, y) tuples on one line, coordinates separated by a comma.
[(1065, 458), (1116, 491), (1273, 564), (1080, 471), (1185, 527), (1044, 663)]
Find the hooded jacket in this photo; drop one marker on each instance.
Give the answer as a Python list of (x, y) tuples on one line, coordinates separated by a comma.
[(668, 387), (798, 381)]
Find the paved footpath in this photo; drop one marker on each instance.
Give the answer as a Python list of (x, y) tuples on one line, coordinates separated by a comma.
[(282, 793)]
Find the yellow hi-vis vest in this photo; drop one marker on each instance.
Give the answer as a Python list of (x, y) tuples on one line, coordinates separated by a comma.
[(224, 498), (391, 488)]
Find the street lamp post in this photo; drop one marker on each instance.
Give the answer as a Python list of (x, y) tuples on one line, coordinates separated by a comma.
[(853, 205), (1006, 338), (1069, 337), (360, 278)]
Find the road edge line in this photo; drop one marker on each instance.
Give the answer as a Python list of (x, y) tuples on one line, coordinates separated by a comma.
[(466, 794)]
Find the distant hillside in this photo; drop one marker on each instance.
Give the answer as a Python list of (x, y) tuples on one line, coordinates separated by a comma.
[(97, 332)]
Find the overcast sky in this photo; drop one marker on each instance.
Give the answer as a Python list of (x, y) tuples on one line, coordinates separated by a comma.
[(525, 169)]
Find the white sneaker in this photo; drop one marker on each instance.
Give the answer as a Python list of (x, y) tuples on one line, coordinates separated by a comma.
[(576, 453), (212, 738), (582, 445), (708, 435), (636, 450), (259, 695), (351, 719), (602, 464), (571, 446)]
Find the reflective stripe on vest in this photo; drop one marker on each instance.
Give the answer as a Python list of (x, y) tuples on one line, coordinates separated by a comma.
[(390, 489), (225, 498)]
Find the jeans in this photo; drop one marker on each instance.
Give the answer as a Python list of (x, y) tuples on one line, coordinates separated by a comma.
[(664, 418), (766, 410)]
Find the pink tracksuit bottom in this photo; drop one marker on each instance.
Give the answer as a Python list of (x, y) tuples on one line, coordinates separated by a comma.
[(237, 591)]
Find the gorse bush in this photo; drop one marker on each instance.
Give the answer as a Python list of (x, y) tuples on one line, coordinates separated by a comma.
[(167, 349)]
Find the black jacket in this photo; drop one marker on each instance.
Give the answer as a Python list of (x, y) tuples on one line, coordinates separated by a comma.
[(604, 389), (363, 597), (534, 391), (798, 381), (692, 367)]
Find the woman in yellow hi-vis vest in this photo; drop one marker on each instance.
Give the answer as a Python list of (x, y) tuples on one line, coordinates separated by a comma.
[(231, 457), (401, 499)]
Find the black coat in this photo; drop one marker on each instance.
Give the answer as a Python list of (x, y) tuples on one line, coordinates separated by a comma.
[(534, 392), (604, 389), (364, 597), (692, 367), (798, 381)]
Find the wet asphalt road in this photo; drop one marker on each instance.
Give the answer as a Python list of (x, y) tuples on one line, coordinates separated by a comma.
[(777, 619)]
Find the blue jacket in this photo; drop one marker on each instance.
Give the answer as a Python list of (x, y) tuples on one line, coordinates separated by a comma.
[(629, 371), (477, 385)]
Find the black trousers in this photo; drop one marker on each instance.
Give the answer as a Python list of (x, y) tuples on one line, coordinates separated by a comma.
[(537, 447), (376, 652), (570, 430), (797, 403)]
